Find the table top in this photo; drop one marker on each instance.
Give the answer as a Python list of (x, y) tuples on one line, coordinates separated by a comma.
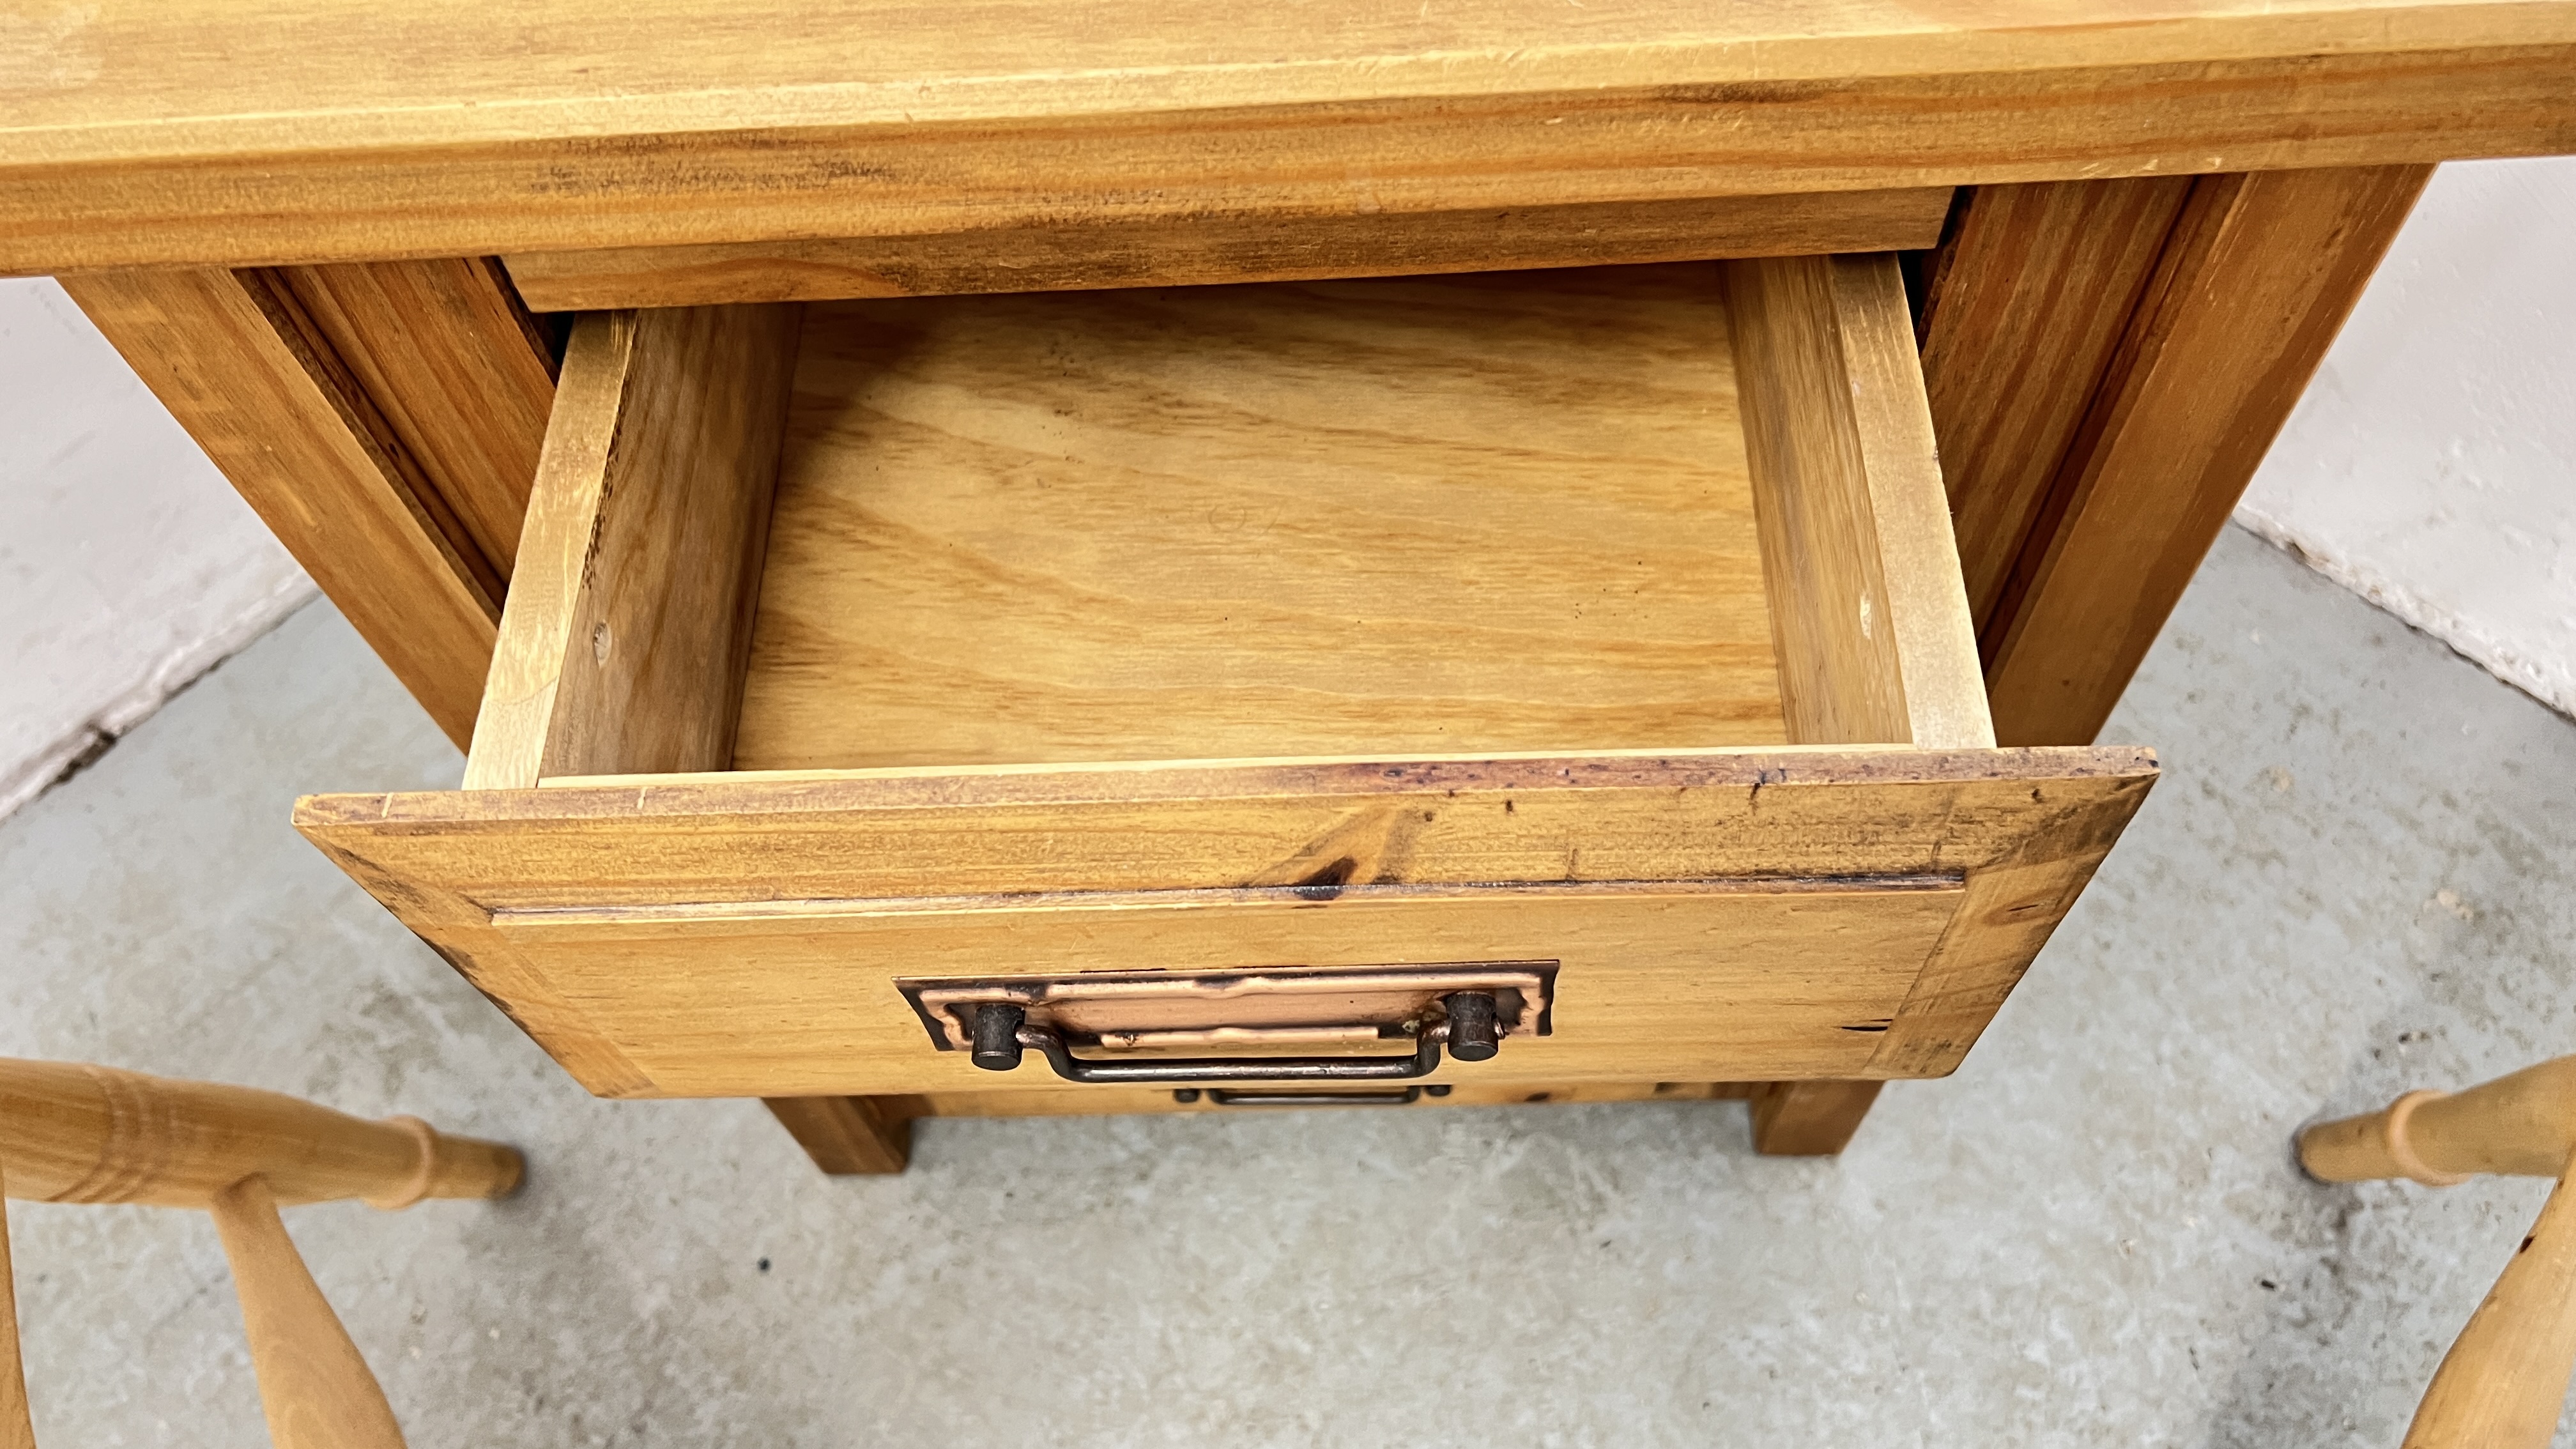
[(144, 132)]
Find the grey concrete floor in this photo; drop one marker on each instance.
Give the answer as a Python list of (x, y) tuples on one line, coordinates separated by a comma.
[(2353, 879)]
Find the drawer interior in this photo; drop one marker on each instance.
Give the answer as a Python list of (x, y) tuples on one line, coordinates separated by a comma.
[(1667, 507), (1605, 618), (1423, 515)]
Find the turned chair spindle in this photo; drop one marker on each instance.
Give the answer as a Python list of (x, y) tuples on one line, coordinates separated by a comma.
[(76, 1133)]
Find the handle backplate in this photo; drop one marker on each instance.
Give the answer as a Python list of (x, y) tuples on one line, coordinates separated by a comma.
[(1272, 1024)]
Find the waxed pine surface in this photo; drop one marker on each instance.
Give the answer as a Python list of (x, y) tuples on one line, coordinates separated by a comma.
[(1402, 515), (2353, 880)]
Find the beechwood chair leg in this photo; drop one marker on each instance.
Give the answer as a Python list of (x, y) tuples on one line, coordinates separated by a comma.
[(2504, 1381), (16, 1430), (314, 1385), (72, 1133)]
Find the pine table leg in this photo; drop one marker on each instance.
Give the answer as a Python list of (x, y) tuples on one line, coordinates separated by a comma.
[(847, 1135), (1809, 1119)]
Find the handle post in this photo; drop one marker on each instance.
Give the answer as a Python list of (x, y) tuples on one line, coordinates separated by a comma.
[(1474, 1034), (996, 1033)]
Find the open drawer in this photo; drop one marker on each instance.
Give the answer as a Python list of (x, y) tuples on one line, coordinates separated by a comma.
[(880, 674)]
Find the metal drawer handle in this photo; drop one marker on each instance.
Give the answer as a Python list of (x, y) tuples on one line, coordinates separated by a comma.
[(1228, 1097), (1000, 1031)]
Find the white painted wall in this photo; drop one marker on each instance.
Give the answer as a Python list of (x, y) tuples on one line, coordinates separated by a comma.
[(2432, 464), (128, 566)]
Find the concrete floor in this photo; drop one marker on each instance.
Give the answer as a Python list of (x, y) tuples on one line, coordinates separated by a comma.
[(2353, 879)]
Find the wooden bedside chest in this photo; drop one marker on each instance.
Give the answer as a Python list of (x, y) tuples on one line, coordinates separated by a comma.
[(1070, 560)]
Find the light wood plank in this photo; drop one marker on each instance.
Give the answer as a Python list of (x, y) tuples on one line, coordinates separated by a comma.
[(847, 1136), (2256, 279), (1871, 620), (322, 130), (630, 618), (1872, 627), (1478, 514), (460, 933), (1200, 250), (1694, 815), (2012, 907), (2027, 298), (252, 379)]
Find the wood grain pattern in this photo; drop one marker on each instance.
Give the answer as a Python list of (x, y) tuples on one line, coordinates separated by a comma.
[(460, 933), (458, 372), (325, 130), (2013, 906), (1688, 815), (1662, 982), (1196, 250), (248, 374), (848, 1136), (72, 1132), (2027, 299), (1872, 629), (446, 863), (1870, 619), (623, 644), (2253, 284), (314, 1385), (1479, 514), (1809, 1119)]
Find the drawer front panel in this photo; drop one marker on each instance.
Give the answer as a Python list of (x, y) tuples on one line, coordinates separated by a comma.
[(745, 935), (1666, 983)]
